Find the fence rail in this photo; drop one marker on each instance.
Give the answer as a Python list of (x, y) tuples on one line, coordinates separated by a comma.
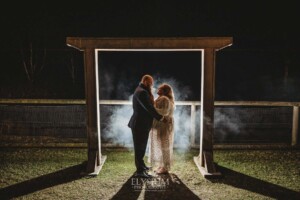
[(193, 104)]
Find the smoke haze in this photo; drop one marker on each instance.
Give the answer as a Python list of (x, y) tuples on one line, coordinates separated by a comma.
[(117, 131)]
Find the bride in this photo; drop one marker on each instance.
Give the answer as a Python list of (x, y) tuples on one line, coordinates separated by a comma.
[(162, 134)]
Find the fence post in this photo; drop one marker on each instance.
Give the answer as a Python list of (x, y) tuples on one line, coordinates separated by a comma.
[(193, 124), (295, 125)]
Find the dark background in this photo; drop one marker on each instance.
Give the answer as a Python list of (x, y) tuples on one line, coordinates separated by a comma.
[(262, 64)]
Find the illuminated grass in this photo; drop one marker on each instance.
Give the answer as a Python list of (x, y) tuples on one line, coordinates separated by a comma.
[(40, 173)]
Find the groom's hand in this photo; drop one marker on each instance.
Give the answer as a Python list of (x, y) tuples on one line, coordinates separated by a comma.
[(166, 119)]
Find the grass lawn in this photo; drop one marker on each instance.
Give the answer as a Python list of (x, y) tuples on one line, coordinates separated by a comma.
[(56, 173)]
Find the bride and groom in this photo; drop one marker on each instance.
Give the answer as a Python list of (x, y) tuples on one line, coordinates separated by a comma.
[(154, 117)]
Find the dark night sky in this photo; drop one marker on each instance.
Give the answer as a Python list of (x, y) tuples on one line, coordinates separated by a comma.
[(262, 64)]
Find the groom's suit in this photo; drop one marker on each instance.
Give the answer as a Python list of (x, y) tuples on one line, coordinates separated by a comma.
[(141, 122)]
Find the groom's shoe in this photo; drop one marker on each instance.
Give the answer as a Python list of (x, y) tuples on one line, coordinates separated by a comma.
[(147, 168), (143, 174)]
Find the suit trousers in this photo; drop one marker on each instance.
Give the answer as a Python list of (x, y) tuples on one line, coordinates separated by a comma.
[(140, 140)]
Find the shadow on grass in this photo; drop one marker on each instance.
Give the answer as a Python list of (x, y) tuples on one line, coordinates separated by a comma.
[(167, 186), (127, 191), (255, 185), (42, 182)]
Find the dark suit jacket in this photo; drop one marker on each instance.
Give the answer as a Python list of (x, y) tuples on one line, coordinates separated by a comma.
[(143, 110)]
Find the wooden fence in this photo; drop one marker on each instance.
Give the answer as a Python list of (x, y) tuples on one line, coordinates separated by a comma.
[(192, 104)]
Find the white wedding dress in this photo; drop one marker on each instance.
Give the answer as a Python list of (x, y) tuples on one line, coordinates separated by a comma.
[(162, 135)]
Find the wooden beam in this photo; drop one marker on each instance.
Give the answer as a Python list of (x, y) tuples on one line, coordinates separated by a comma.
[(93, 116), (145, 44), (205, 161), (126, 102)]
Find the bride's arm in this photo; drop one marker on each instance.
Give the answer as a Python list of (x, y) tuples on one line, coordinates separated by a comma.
[(162, 105)]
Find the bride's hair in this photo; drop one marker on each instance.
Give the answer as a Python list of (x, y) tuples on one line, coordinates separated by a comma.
[(167, 91)]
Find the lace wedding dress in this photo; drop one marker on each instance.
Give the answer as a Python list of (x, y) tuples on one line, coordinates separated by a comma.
[(162, 135)]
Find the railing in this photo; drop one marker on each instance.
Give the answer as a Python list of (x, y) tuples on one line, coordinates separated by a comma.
[(193, 105)]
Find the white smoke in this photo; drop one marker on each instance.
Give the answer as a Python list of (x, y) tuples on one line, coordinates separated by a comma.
[(226, 123), (182, 128), (181, 92), (117, 132)]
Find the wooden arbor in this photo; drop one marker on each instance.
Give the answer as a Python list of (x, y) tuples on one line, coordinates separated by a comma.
[(207, 45)]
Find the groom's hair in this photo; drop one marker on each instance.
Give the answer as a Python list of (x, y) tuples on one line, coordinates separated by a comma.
[(146, 78)]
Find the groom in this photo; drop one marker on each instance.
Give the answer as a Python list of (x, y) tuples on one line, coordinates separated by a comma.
[(141, 122)]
